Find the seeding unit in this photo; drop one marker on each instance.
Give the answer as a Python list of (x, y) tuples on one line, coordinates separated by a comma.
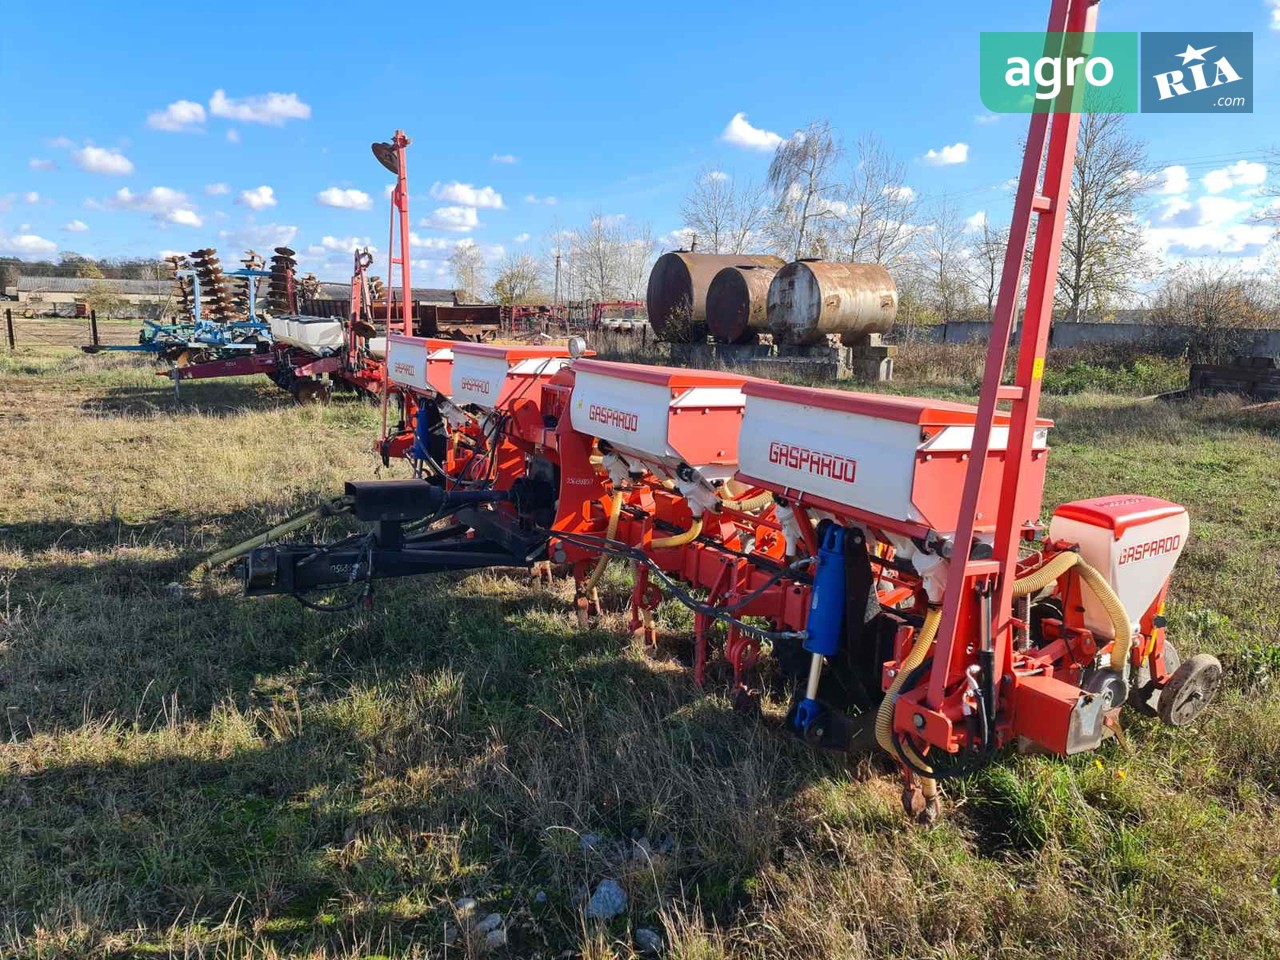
[(885, 554)]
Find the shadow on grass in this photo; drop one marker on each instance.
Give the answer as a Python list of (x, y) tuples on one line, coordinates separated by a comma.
[(430, 753)]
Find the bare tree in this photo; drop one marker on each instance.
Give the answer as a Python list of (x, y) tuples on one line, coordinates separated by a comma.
[(467, 263), (1218, 304), (1270, 212), (609, 258), (802, 176), (986, 262), (518, 280), (637, 257), (723, 215), (1102, 244), (876, 224), (944, 261)]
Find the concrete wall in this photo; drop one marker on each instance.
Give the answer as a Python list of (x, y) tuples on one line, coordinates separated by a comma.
[(1262, 342)]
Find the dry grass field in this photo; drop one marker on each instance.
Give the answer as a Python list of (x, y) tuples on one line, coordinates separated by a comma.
[(185, 773)]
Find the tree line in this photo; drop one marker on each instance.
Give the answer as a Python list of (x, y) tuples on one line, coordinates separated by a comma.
[(71, 264)]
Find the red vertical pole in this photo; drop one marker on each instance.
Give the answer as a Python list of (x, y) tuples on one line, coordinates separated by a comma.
[(1046, 201), (400, 208)]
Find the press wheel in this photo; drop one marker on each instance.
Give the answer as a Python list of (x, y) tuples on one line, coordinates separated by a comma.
[(1191, 688)]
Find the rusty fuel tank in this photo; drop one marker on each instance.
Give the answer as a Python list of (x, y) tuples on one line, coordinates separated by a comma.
[(737, 302), (677, 295), (809, 299)]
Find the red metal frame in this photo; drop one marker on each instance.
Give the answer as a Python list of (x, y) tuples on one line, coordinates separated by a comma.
[(1044, 198)]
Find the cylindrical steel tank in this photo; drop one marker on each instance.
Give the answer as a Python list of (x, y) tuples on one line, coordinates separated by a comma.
[(811, 298), (677, 295), (737, 302)]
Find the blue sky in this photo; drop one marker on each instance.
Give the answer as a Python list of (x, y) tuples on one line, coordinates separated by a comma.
[(603, 107)]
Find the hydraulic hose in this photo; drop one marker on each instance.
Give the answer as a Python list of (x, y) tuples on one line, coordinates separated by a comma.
[(328, 509), (1038, 579), (679, 539), (615, 511), (750, 504), (884, 716)]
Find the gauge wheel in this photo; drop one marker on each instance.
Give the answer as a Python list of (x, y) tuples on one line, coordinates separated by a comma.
[(1191, 688)]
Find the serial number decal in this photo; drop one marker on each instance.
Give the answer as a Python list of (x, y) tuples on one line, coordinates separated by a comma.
[(818, 462), (407, 369), (1152, 548), (475, 386), (622, 419)]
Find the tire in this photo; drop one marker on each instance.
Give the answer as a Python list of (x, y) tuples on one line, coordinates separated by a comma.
[(1192, 687)]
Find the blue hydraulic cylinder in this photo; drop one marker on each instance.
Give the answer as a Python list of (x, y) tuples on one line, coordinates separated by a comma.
[(823, 633), (826, 603), (421, 434)]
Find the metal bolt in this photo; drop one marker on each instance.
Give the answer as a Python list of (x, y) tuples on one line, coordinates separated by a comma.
[(891, 674), (918, 721)]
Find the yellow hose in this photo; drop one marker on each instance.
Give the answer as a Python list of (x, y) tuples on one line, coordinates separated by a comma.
[(615, 511), (1037, 580), (749, 505), (884, 716), (680, 539), (1033, 582)]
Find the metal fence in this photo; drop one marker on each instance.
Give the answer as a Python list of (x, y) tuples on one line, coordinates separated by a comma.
[(21, 331)]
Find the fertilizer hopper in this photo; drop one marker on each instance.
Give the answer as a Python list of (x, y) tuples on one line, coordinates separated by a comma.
[(420, 365), (679, 424), (895, 463), (496, 376)]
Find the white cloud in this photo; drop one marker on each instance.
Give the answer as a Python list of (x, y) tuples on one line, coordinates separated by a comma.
[(155, 200), (349, 199), (678, 239), (1242, 173), (344, 244), (62, 143), (31, 197), (431, 244), (217, 189), (547, 201), (25, 245), (902, 194), (1275, 14), (977, 221), (35, 163), (718, 175), (233, 135), (987, 118), (1221, 210), (457, 219), (272, 109), (467, 195), (1211, 226), (178, 117), (740, 133), (505, 158), (103, 160), (950, 154), (1174, 207), (521, 238), (1175, 180), (185, 217), (258, 197), (76, 226), (253, 236)]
